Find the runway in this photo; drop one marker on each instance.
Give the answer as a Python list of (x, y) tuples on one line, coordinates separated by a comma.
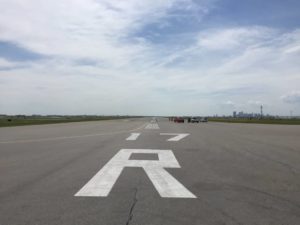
[(148, 172)]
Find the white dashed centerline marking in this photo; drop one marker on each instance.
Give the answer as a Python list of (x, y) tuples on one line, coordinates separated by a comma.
[(153, 126), (133, 136), (177, 137)]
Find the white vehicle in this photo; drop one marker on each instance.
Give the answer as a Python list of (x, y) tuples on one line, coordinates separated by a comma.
[(194, 120), (203, 120)]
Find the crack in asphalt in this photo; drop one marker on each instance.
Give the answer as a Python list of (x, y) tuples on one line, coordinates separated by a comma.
[(130, 216)]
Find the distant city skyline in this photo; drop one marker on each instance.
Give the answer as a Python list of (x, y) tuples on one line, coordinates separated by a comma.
[(175, 57)]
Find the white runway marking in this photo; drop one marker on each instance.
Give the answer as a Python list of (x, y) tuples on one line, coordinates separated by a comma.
[(166, 185), (153, 126), (133, 136), (177, 137)]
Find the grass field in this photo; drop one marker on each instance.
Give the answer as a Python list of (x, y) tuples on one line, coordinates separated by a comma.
[(259, 121), (10, 121)]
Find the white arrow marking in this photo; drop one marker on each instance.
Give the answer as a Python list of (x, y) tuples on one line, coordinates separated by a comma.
[(133, 136), (166, 185), (177, 137)]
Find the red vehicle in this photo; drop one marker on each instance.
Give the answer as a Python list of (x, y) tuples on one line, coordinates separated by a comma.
[(179, 120)]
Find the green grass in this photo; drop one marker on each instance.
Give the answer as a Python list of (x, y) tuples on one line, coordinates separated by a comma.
[(11, 121), (258, 121)]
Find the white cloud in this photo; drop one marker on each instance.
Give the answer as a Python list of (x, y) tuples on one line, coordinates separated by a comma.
[(98, 63), (81, 28), (255, 102), (225, 39), (291, 42), (229, 103), (291, 97), (6, 64)]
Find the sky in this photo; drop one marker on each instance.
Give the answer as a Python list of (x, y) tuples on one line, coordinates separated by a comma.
[(140, 57)]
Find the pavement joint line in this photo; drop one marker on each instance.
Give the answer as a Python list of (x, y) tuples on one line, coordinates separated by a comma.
[(71, 137)]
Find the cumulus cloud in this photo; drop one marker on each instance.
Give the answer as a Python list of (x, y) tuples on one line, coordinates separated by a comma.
[(83, 28), (78, 29), (98, 57), (291, 97)]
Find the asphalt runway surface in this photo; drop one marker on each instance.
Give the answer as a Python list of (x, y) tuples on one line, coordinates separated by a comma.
[(167, 173)]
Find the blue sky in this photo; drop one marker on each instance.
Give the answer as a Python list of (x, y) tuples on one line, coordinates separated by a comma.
[(12, 52), (175, 57)]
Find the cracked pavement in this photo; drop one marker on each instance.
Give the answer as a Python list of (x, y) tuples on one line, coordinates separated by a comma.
[(134, 201)]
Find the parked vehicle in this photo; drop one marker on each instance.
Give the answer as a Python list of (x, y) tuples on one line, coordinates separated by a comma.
[(195, 120), (203, 120), (179, 120)]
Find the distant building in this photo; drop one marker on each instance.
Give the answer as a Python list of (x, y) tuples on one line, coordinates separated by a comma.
[(245, 115), (234, 114), (241, 114)]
